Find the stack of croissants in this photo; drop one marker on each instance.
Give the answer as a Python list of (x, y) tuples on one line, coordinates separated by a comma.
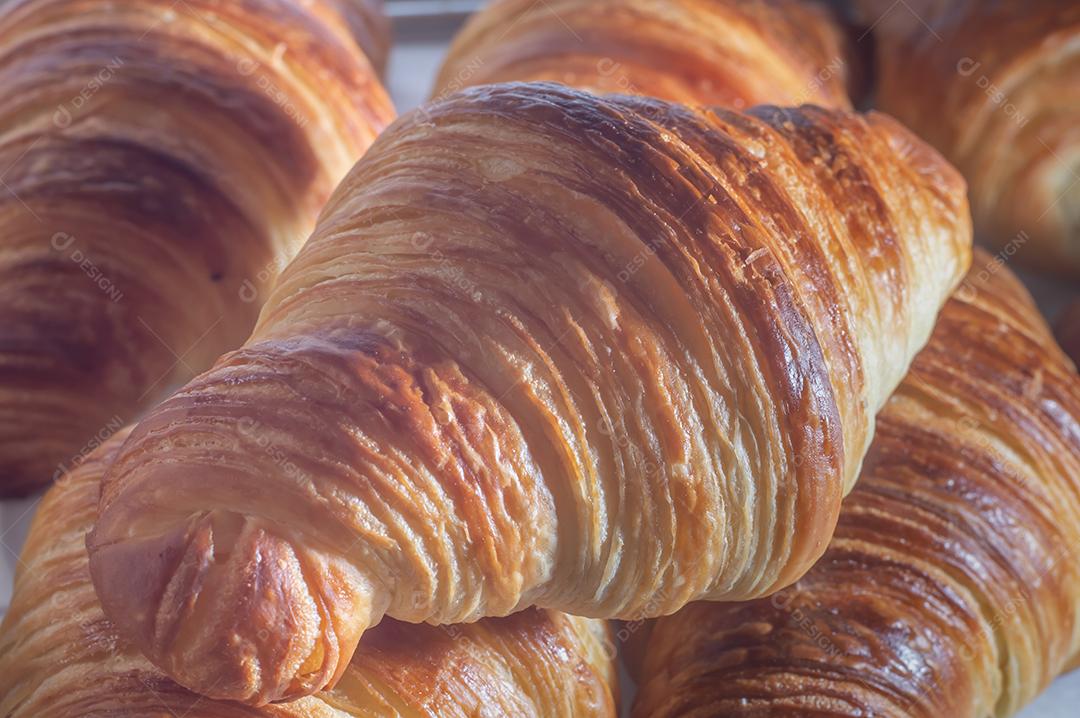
[(636, 345)]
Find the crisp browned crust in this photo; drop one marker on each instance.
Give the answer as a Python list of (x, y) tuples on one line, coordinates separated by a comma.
[(61, 658), (952, 585), (161, 161), (995, 86), (601, 355), (730, 53)]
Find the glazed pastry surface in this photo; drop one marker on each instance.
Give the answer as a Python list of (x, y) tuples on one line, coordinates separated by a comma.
[(952, 584), (61, 658), (599, 355)]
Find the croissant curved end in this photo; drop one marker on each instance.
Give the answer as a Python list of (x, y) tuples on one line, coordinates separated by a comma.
[(229, 605)]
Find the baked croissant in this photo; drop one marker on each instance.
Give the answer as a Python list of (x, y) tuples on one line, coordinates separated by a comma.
[(731, 53), (995, 86), (598, 355), (161, 161), (61, 658), (952, 585)]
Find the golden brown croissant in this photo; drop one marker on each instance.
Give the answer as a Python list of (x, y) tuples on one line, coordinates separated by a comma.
[(996, 87), (61, 658), (952, 585), (161, 161), (731, 53), (599, 355)]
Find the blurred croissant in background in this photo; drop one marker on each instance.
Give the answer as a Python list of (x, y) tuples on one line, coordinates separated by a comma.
[(161, 162), (730, 53), (995, 86)]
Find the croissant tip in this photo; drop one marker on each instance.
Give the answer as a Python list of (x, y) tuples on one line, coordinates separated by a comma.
[(229, 608)]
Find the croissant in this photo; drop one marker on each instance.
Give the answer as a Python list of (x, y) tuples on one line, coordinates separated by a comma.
[(730, 53), (995, 86), (60, 657), (597, 355), (161, 162), (952, 585)]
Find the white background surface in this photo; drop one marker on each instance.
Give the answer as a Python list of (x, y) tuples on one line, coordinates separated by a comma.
[(412, 71)]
